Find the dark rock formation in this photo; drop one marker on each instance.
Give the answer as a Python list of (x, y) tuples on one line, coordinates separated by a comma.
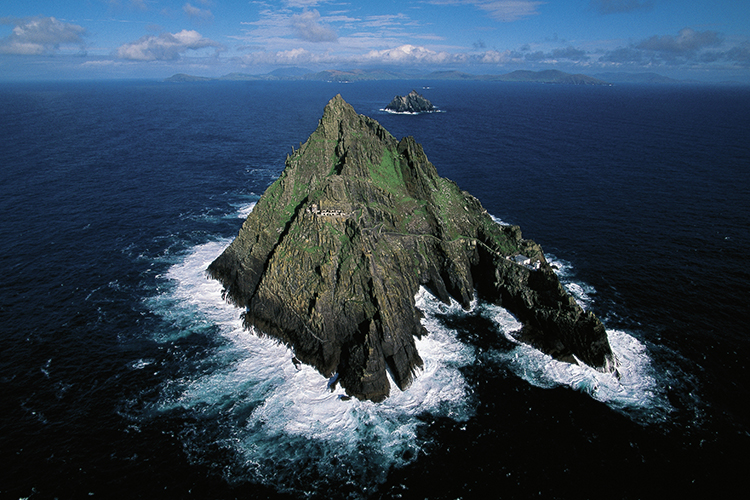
[(331, 258), (412, 103)]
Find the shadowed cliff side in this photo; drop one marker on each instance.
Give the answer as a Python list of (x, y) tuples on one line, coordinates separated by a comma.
[(331, 258)]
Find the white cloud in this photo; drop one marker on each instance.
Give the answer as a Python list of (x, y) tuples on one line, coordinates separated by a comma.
[(304, 3), (496, 57), (296, 56), (197, 13), (508, 11), (385, 21), (40, 35), (283, 29), (500, 10), (99, 63), (687, 47), (271, 27), (165, 47), (405, 54), (307, 26), (402, 55), (408, 54), (687, 41)]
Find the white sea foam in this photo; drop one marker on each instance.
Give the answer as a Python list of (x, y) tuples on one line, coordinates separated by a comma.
[(499, 221), (139, 364), (562, 268), (244, 210), (282, 414), (580, 292), (390, 111), (633, 389)]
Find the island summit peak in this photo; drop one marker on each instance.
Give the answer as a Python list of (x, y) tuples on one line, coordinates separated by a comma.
[(332, 256)]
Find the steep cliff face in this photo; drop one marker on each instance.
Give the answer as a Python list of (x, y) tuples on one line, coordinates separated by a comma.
[(332, 256)]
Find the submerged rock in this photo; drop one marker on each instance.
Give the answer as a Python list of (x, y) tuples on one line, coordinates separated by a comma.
[(411, 103), (331, 258)]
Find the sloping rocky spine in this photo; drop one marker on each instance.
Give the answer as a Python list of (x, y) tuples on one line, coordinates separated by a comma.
[(331, 258)]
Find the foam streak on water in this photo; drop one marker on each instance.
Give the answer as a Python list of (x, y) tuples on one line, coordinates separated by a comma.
[(634, 392), (244, 211)]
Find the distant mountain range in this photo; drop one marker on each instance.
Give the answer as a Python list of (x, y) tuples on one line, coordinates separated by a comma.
[(547, 76), (357, 75)]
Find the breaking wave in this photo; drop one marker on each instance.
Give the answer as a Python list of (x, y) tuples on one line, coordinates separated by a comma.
[(390, 111), (633, 390), (245, 210)]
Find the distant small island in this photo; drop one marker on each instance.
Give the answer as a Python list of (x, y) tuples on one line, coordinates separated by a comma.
[(410, 103), (358, 75)]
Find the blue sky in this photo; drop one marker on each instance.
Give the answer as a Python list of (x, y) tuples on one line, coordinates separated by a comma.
[(46, 39)]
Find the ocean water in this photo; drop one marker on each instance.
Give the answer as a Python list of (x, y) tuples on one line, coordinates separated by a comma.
[(124, 374)]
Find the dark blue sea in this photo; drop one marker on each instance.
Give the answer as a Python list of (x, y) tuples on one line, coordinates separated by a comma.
[(125, 376)]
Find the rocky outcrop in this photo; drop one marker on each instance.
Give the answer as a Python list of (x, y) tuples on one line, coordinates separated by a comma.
[(331, 258), (411, 103)]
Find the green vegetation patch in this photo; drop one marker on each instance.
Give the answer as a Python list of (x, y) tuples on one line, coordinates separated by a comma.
[(387, 175)]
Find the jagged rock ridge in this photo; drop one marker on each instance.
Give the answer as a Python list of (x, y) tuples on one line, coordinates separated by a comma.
[(331, 258), (410, 103)]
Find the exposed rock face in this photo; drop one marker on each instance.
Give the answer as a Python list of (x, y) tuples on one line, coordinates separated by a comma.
[(331, 258), (412, 103)]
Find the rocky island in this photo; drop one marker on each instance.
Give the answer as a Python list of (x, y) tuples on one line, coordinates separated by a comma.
[(331, 258), (411, 103)]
